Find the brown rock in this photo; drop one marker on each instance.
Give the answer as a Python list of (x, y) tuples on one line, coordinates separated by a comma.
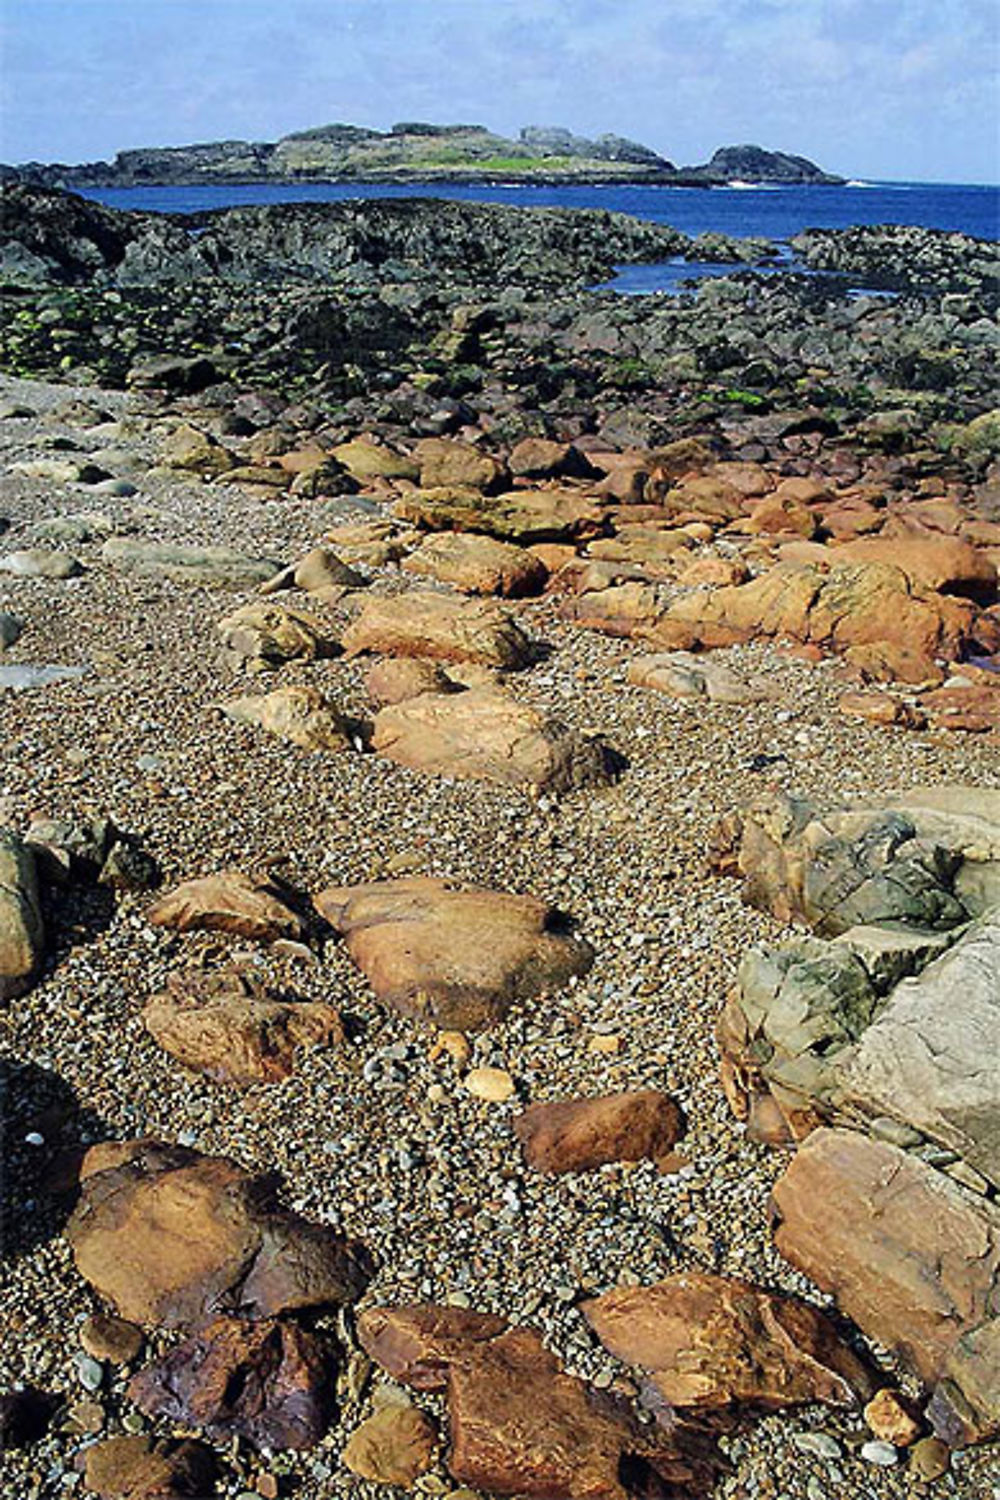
[(910, 1257), (713, 573), (930, 1458), (233, 1028), (22, 934), (111, 1339), (250, 906), (319, 569), (685, 676), (478, 565), (198, 452), (395, 1446), (144, 1468), (269, 1383), (627, 609), (416, 1344), (486, 736), (881, 708), (782, 512), (525, 516), (435, 626), (577, 1135), (890, 1417), (541, 458), (705, 498), (711, 1341), (265, 635), (298, 714), (366, 461), (458, 958), (650, 547), (171, 1237), (447, 461), (394, 679), (973, 707), (942, 563)]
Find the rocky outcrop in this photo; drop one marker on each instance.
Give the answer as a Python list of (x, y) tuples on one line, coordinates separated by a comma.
[(458, 958), (903, 256), (754, 164)]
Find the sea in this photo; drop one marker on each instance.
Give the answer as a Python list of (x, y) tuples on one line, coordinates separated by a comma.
[(771, 210)]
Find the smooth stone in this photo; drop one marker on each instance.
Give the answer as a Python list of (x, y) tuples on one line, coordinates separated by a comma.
[(493, 1085), (883, 1454), (36, 562), (20, 679), (10, 630)]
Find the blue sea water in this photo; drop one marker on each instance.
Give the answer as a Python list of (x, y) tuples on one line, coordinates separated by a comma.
[(773, 211)]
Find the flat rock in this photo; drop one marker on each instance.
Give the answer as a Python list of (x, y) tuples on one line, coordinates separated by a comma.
[(395, 1446), (269, 1383), (486, 736), (220, 566), (457, 958), (683, 675), (631, 609), (194, 451), (911, 1257), (478, 565), (171, 1237), (298, 714), (415, 1344), (24, 679), (577, 1135), (22, 933), (233, 1028), (943, 563), (36, 562), (394, 679), (437, 627), (710, 1341), (147, 1468), (525, 516), (449, 461), (244, 905)]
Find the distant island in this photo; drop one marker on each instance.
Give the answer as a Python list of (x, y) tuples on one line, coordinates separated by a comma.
[(413, 151)]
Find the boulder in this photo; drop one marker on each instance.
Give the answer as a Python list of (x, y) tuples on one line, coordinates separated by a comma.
[(147, 1468), (942, 563), (366, 461), (298, 714), (196, 452), (269, 1383), (541, 458), (436, 626), (245, 905), (486, 736), (708, 1341), (415, 1344), (39, 562), (201, 566), (395, 1446), (171, 1237), (22, 933), (525, 516), (320, 569), (478, 565), (458, 958), (264, 635), (577, 1135), (911, 1257), (652, 548), (683, 675), (780, 513), (395, 679), (625, 609), (10, 630), (232, 1028), (448, 461)]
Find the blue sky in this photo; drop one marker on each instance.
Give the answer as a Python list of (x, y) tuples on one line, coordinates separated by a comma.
[(871, 88)]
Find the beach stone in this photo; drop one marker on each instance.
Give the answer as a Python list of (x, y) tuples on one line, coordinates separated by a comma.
[(486, 736), (890, 1417), (942, 563), (524, 516), (930, 1458), (713, 573), (435, 626), (111, 1339), (195, 452), (491, 1085), (22, 679), (881, 708), (173, 372), (577, 1135), (146, 1468), (781, 513), (911, 1257), (704, 497), (543, 458), (972, 707), (625, 609), (366, 461), (652, 548), (270, 1383), (250, 906), (22, 932), (231, 1027), (10, 630), (36, 562), (449, 461), (201, 566), (395, 1446), (264, 635), (478, 565), (521, 1425), (298, 714), (685, 676), (394, 679), (459, 958), (319, 569), (171, 1237), (711, 1341)]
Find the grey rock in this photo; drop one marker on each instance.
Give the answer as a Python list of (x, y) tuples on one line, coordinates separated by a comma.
[(10, 629), (36, 562), (23, 679), (220, 566)]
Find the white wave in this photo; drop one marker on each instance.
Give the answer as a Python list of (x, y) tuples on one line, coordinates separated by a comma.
[(854, 182)]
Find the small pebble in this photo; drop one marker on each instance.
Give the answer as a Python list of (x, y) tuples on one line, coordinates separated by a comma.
[(490, 1084), (883, 1454)]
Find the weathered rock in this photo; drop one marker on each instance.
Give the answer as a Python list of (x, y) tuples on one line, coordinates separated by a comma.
[(22, 933), (478, 565), (91, 849), (458, 958), (266, 635), (366, 461), (686, 676), (943, 563), (486, 736), (197, 452), (627, 609), (172, 1237), (519, 1424), (319, 569), (780, 512), (395, 679), (395, 1446), (245, 905), (881, 708), (651, 548), (447, 461), (146, 1468), (222, 566), (577, 1135), (36, 562), (172, 372), (970, 706), (713, 573), (714, 1341), (10, 630), (298, 713), (436, 626), (911, 1257), (233, 1028), (545, 515), (541, 458), (111, 1339), (269, 1383), (891, 1418)]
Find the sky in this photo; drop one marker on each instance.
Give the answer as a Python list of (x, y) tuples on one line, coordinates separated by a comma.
[(882, 89)]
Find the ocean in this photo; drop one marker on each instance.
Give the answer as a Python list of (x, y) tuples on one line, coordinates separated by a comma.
[(744, 209)]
